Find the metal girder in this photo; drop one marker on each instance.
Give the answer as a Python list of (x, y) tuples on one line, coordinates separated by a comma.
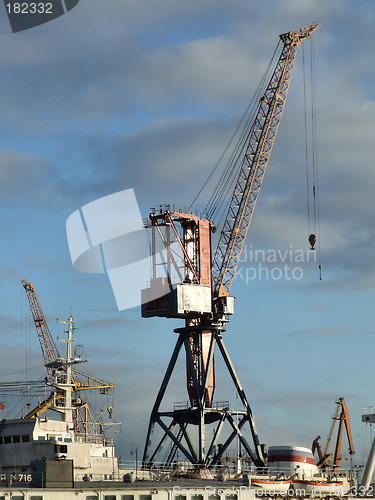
[(162, 441), (236, 432)]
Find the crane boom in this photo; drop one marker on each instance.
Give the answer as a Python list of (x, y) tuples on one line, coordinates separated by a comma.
[(49, 350), (343, 418), (260, 142)]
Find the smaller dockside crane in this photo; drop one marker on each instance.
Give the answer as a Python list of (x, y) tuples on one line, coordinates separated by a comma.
[(80, 411), (325, 459)]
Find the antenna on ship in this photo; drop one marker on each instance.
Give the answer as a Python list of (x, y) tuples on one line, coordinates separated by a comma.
[(82, 419), (62, 380)]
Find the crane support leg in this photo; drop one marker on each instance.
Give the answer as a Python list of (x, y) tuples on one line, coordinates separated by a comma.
[(200, 414), (258, 449), (160, 396)]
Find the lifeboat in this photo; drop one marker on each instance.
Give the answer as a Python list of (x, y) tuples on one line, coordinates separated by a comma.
[(318, 489), (271, 487)]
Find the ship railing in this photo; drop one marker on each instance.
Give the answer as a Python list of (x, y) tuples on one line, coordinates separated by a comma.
[(320, 475), (220, 405), (61, 378), (132, 471), (368, 410), (95, 439), (216, 405), (185, 470)]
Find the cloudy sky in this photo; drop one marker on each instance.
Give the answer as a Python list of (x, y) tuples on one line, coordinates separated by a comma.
[(144, 94)]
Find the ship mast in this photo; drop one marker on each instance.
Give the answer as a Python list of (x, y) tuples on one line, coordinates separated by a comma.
[(62, 379)]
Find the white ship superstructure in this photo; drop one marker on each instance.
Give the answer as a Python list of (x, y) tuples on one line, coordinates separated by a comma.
[(25, 440)]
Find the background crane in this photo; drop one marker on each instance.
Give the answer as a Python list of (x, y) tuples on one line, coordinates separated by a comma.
[(325, 458), (82, 417), (196, 288)]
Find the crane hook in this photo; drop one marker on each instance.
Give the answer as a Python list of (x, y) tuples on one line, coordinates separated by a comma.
[(312, 241)]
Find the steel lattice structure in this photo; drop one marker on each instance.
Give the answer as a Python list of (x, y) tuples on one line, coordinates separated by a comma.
[(261, 139), (49, 350)]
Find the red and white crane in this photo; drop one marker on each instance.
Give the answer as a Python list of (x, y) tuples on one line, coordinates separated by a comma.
[(196, 288)]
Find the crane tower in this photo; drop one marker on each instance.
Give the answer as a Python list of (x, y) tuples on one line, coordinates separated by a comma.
[(197, 290)]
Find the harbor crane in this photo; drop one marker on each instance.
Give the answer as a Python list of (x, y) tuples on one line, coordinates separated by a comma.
[(197, 287), (325, 459)]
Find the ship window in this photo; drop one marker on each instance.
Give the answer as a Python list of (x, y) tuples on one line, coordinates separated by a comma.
[(92, 497), (123, 497), (17, 497), (61, 448), (67, 440), (25, 438), (109, 497), (16, 439), (7, 439), (214, 497), (33, 497), (179, 497), (146, 497), (197, 497), (231, 497), (1, 442), (41, 438)]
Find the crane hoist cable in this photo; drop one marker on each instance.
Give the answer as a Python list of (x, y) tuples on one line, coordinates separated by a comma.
[(226, 183), (315, 155), (313, 216), (215, 205), (306, 144)]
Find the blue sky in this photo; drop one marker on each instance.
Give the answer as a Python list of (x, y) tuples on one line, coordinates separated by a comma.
[(120, 94)]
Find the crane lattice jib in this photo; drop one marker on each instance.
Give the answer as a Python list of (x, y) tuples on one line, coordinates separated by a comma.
[(49, 350), (260, 142)]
